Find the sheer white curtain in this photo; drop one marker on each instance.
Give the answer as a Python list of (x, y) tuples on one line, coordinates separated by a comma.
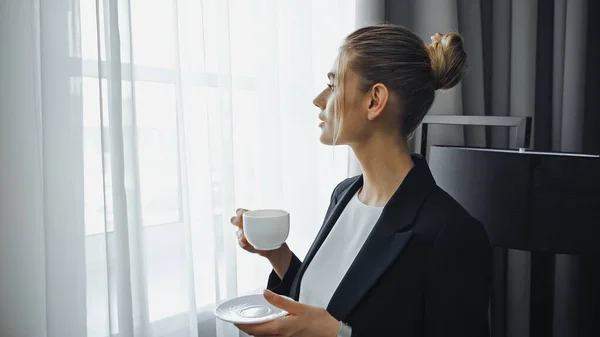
[(131, 130)]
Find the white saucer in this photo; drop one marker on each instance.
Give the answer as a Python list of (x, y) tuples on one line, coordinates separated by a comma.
[(251, 309)]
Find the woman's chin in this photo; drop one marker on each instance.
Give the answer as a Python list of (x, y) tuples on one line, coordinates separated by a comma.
[(325, 138)]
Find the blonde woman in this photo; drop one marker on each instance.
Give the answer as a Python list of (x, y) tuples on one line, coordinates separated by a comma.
[(396, 255)]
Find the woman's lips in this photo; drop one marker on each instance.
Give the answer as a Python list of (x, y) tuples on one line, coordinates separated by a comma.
[(321, 124)]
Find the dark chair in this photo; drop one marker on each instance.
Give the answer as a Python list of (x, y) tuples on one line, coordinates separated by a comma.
[(542, 215)]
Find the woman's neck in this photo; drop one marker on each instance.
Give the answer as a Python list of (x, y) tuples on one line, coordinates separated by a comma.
[(384, 164)]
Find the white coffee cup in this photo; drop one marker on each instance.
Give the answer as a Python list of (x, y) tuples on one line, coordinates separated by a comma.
[(266, 229)]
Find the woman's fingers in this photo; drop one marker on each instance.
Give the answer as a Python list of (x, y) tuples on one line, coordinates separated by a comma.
[(243, 243), (241, 238), (240, 211), (238, 219)]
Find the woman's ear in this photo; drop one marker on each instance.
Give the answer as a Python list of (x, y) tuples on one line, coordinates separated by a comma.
[(378, 99)]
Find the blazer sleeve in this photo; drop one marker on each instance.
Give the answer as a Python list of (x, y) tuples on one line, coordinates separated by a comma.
[(459, 282), (283, 287)]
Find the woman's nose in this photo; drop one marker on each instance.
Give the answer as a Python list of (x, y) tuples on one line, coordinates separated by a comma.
[(320, 101)]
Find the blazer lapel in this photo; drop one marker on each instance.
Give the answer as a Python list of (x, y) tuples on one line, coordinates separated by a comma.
[(330, 219), (386, 242)]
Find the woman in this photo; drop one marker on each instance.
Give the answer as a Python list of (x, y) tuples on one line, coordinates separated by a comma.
[(396, 255)]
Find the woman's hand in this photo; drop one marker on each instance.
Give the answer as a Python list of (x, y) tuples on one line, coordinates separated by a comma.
[(279, 258), (303, 320), (238, 221)]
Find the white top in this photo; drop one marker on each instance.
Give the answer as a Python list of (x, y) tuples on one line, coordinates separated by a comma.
[(333, 259)]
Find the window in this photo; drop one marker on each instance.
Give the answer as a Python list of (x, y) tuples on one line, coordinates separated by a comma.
[(241, 74), (151, 100)]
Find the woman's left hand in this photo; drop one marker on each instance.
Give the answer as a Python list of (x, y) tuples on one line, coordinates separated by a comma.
[(303, 320)]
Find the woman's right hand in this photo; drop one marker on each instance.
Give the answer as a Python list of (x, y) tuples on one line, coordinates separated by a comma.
[(238, 221), (280, 258)]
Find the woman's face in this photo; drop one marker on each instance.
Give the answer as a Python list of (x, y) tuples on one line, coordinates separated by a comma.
[(349, 125)]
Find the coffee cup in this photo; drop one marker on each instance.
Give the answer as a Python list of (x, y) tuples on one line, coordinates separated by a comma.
[(266, 229)]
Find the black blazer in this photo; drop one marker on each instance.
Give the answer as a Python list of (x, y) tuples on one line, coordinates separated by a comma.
[(425, 269)]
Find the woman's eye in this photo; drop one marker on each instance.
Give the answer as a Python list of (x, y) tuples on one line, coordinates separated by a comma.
[(330, 86)]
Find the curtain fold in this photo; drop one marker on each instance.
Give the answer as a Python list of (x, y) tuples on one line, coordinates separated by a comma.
[(131, 132), (574, 81), (62, 164), (21, 158)]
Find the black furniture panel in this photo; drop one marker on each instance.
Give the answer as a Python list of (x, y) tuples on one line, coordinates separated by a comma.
[(542, 215)]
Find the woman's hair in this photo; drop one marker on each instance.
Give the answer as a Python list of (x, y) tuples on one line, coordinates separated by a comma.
[(396, 57)]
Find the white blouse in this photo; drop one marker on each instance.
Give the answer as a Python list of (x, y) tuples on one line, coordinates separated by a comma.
[(340, 248)]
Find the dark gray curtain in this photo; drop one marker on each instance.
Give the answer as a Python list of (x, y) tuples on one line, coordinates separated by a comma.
[(535, 58)]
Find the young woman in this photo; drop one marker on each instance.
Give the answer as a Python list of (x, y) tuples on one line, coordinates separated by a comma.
[(396, 255)]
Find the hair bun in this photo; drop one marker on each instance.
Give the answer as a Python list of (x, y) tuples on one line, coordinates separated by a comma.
[(448, 60)]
